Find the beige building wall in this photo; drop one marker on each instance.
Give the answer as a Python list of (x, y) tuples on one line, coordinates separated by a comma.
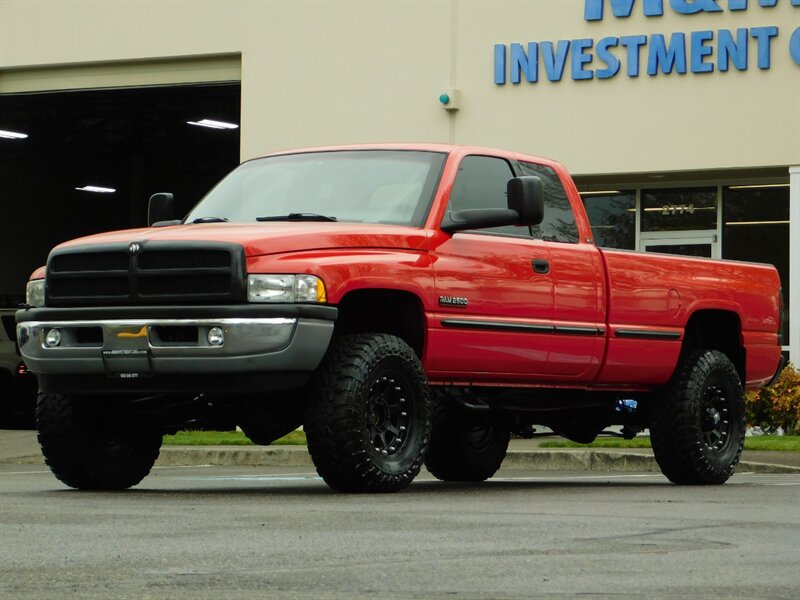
[(342, 72)]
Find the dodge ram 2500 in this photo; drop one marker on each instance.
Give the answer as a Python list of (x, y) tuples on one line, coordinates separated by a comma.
[(408, 305)]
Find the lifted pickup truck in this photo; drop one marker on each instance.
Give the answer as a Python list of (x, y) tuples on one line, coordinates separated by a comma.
[(407, 304)]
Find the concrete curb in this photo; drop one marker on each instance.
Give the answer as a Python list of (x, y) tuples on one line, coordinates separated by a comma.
[(536, 460), (246, 456)]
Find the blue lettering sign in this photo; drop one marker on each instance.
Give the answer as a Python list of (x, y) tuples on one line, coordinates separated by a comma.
[(633, 43), (727, 49), (667, 58), (691, 7), (666, 53), (622, 9), (700, 51), (593, 9), (529, 63), (554, 61), (742, 4), (500, 64), (605, 55), (764, 36), (581, 57), (794, 46)]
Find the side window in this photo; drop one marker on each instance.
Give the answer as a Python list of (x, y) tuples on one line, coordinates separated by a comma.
[(481, 183), (559, 220)]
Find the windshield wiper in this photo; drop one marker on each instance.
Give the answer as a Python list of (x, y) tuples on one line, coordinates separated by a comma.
[(210, 220), (298, 217)]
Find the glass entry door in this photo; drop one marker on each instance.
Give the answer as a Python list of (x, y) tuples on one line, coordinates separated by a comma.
[(702, 246), (681, 221)]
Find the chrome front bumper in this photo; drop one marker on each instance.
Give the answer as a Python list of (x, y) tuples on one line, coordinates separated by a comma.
[(147, 347)]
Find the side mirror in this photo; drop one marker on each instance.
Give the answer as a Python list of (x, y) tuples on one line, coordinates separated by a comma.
[(525, 207), (161, 208), (526, 197), (479, 218)]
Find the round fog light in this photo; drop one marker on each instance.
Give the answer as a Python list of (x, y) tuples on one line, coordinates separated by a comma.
[(53, 338), (216, 336)]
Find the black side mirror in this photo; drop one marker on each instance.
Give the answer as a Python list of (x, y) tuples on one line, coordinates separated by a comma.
[(526, 197), (161, 210), (525, 207), (479, 218)]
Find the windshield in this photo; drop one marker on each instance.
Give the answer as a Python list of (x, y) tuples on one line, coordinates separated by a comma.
[(368, 186)]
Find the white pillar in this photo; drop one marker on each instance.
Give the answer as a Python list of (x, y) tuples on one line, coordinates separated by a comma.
[(794, 266)]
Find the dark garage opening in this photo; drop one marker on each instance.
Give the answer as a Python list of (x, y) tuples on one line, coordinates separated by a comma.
[(136, 141)]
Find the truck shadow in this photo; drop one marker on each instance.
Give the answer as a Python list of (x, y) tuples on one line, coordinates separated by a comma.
[(278, 486)]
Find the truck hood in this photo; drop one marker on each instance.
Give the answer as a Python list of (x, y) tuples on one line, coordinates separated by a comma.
[(273, 237)]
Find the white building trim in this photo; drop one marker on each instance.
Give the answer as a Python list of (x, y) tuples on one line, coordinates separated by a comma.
[(794, 265)]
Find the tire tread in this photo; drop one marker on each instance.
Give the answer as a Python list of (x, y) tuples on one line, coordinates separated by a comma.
[(675, 430), (333, 424)]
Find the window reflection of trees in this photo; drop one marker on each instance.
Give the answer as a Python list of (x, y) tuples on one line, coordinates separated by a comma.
[(559, 220), (613, 220)]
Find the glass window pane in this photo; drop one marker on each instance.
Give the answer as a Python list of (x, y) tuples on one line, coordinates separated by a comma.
[(559, 219), (756, 229), (679, 209), (613, 219), (701, 250), (370, 186), (481, 183)]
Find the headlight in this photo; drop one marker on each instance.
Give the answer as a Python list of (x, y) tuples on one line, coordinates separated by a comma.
[(285, 288), (34, 293)]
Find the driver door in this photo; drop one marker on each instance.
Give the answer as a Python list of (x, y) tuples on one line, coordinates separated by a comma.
[(494, 289)]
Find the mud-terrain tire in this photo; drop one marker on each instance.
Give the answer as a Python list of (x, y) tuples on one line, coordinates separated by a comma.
[(465, 446), (90, 448), (369, 417), (698, 425)]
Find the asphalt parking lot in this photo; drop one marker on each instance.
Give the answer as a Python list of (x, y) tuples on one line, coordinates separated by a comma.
[(230, 532)]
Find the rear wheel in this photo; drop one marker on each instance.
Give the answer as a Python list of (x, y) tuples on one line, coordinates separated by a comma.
[(465, 446), (698, 425), (89, 446)]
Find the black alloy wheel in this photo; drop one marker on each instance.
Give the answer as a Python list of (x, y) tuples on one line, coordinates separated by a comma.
[(388, 421), (89, 446), (465, 446), (698, 424), (368, 420)]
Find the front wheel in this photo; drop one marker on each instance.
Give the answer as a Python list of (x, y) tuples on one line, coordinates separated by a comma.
[(698, 425), (368, 420), (89, 446)]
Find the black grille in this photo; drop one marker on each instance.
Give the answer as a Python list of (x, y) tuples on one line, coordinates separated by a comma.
[(158, 273), (9, 326), (184, 284), (96, 287), (90, 261), (184, 259)]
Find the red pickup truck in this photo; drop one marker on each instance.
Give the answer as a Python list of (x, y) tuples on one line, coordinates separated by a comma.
[(408, 305)]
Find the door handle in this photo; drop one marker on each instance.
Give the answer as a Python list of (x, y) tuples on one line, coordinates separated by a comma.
[(541, 266)]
